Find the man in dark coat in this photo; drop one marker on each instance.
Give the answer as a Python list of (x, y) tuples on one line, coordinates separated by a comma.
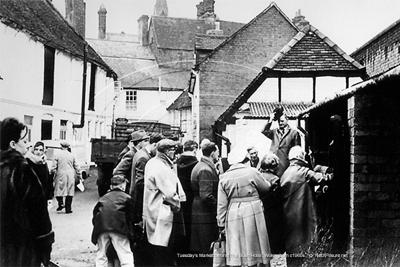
[(26, 230), (185, 165), (282, 138), (113, 221), (204, 182), (300, 218), (139, 139)]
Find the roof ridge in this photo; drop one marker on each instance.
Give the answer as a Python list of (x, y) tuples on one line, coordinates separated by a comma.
[(272, 4), (299, 36)]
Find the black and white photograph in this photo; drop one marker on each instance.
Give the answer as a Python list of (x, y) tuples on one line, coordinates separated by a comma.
[(200, 133)]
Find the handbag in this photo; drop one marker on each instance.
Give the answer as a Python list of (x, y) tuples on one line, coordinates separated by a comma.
[(219, 251)]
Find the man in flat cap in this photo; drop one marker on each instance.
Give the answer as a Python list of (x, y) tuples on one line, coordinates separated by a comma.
[(163, 194), (139, 140), (65, 166)]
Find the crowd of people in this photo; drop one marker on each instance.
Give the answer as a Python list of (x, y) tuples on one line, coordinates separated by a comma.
[(168, 202)]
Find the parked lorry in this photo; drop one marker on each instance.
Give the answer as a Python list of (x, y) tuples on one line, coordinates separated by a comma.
[(105, 151)]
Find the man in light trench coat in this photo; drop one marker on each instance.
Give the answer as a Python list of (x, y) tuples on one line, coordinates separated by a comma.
[(163, 194)]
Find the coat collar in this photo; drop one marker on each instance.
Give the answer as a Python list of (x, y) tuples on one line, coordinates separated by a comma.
[(208, 162), (236, 166), (165, 159)]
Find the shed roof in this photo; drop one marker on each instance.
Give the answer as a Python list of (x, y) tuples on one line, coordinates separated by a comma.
[(264, 109), (310, 51), (308, 54), (42, 21)]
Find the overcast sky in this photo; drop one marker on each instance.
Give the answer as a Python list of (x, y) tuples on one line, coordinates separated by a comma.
[(348, 23)]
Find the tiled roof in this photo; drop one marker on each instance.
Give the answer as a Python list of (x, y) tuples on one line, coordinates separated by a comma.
[(264, 109), (183, 101), (311, 51), (209, 42), (41, 20), (136, 66), (168, 30)]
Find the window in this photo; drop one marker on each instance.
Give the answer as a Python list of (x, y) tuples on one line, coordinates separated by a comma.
[(28, 121), (92, 95), (63, 130), (47, 127), (48, 84), (131, 100)]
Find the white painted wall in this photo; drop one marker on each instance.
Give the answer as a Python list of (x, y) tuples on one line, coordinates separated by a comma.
[(151, 106), (21, 89)]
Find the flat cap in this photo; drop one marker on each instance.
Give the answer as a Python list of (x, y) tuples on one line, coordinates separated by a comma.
[(165, 144), (139, 135), (118, 179), (64, 144)]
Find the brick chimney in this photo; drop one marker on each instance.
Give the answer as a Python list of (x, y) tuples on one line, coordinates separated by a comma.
[(75, 13), (161, 8), (299, 20), (205, 9), (102, 22), (200, 10), (143, 32), (209, 6)]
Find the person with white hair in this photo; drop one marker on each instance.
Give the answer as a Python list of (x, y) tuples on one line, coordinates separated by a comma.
[(300, 218), (240, 213)]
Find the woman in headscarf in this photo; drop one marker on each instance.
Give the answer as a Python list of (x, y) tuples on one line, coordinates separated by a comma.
[(37, 160), (26, 234), (240, 213), (300, 217)]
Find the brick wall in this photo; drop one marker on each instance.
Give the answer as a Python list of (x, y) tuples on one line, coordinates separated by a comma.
[(230, 69), (375, 166), (381, 53)]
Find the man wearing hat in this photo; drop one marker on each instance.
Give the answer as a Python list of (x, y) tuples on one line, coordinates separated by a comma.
[(113, 221), (65, 166), (283, 138), (163, 194), (139, 140)]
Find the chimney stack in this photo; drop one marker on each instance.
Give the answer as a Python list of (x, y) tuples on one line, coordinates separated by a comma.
[(143, 32), (200, 10), (205, 9), (299, 20), (102, 22)]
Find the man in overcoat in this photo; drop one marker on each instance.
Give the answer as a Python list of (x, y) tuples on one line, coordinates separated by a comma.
[(65, 167), (136, 191), (139, 139), (204, 181), (282, 138), (162, 199)]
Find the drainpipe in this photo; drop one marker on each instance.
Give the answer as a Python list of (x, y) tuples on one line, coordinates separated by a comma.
[(85, 50)]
